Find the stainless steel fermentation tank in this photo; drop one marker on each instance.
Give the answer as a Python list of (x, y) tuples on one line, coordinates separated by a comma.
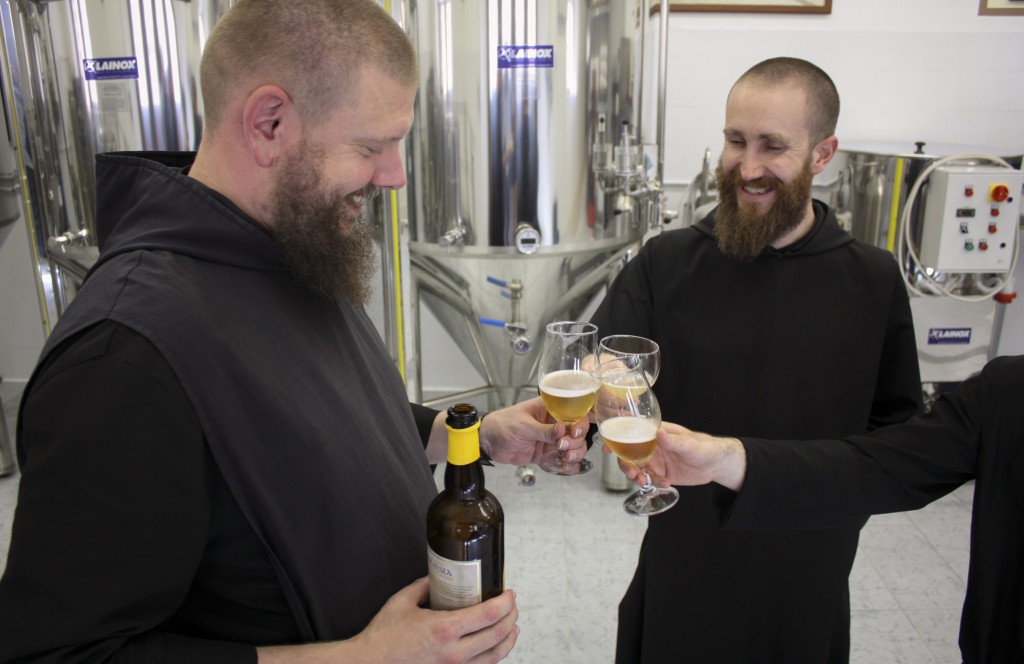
[(527, 182), (874, 179), (89, 76), (870, 185)]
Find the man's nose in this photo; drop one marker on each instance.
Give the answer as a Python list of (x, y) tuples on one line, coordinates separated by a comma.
[(751, 165), (390, 171)]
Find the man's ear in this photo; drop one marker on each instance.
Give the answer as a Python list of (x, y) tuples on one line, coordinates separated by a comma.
[(270, 123), (823, 153)]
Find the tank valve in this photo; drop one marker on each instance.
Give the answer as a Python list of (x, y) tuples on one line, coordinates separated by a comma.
[(71, 238), (453, 237), (623, 203), (513, 290), (526, 476), (521, 343)]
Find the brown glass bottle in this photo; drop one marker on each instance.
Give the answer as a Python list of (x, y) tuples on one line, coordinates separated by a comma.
[(465, 523)]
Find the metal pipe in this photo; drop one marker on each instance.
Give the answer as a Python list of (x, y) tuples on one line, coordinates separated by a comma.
[(456, 397), (639, 120), (662, 86)]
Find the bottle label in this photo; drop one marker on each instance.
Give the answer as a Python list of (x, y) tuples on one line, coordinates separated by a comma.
[(454, 584)]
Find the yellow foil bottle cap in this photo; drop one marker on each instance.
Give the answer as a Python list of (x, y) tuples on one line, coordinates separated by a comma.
[(463, 444)]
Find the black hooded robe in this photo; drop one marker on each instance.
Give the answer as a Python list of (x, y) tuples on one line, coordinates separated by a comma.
[(213, 456), (814, 340)]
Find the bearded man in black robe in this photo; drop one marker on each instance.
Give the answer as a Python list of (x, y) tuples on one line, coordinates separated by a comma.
[(773, 322)]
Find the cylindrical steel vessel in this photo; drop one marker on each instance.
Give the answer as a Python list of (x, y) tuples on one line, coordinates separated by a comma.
[(510, 225), (95, 76)]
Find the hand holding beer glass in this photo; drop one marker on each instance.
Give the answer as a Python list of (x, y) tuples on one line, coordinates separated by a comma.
[(566, 386), (628, 417)]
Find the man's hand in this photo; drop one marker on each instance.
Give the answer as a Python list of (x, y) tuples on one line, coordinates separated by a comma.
[(688, 458), (405, 633), (520, 434)]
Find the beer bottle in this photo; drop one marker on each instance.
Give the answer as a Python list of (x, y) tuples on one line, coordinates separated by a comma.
[(465, 523)]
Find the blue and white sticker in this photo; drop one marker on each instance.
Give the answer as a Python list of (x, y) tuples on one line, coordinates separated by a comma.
[(103, 69), (949, 335), (534, 57)]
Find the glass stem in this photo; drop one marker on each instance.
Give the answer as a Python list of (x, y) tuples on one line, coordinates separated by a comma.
[(648, 487)]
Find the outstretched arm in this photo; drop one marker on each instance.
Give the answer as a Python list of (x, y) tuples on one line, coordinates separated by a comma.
[(689, 458)]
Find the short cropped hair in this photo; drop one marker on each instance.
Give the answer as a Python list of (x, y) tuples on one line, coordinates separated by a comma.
[(313, 49), (822, 96)]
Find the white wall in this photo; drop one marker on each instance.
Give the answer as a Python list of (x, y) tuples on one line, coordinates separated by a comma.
[(907, 70)]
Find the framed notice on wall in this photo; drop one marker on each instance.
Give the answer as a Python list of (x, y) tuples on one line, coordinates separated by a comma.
[(1001, 8), (781, 6)]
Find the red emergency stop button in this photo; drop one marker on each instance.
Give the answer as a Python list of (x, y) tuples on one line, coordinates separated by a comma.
[(998, 193)]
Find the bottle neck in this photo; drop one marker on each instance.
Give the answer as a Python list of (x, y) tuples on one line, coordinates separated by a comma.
[(465, 474), (465, 482)]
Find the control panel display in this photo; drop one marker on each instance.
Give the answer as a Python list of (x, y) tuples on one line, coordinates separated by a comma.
[(971, 216)]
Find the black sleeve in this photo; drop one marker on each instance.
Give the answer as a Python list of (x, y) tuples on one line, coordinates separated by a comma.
[(112, 511), (424, 417), (817, 484), (898, 386)]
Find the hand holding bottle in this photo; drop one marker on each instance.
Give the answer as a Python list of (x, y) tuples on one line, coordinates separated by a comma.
[(403, 632)]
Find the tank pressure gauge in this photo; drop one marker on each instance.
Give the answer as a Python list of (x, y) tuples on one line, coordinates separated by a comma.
[(527, 238)]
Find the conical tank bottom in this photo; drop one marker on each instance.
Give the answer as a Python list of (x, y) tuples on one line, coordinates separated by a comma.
[(473, 298)]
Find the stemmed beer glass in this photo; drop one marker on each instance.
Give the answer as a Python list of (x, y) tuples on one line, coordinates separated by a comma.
[(645, 350), (646, 355), (566, 385), (628, 417)]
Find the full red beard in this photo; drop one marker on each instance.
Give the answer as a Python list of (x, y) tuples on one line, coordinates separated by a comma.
[(326, 247), (741, 229)]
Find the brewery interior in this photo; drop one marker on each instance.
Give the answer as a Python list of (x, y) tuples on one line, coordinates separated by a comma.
[(462, 306)]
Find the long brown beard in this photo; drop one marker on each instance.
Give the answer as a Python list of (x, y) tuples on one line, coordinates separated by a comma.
[(325, 246), (742, 231)]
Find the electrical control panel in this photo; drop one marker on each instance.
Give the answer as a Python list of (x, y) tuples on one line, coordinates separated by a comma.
[(970, 218)]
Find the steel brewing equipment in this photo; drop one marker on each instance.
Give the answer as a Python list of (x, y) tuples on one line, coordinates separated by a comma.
[(529, 180), (875, 178), (955, 334), (528, 184), (89, 76)]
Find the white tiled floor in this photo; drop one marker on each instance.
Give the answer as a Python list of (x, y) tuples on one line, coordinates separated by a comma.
[(570, 553)]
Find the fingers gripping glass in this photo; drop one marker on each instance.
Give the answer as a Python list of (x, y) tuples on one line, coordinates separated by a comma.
[(628, 417), (566, 385)]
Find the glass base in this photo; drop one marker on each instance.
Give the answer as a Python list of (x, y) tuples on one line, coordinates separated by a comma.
[(556, 464), (652, 502)]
